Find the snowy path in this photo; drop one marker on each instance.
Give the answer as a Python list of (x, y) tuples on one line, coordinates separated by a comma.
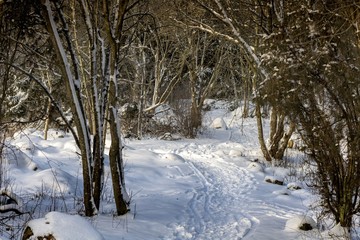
[(225, 200), (215, 204), (213, 210)]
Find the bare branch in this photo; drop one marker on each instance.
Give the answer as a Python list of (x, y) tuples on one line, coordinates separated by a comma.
[(48, 93)]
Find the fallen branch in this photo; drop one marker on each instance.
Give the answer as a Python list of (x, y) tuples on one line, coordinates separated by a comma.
[(13, 203)]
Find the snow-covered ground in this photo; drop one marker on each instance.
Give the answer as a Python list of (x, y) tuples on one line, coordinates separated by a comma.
[(211, 187)]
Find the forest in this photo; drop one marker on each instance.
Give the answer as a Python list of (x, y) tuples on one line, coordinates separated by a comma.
[(104, 72)]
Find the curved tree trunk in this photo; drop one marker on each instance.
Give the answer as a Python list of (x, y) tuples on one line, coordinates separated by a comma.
[(72, 84)]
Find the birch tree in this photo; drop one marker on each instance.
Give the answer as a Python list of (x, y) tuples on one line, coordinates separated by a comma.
[(103, 21)]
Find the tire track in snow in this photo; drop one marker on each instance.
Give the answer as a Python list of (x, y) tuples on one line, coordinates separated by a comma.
[(215, 208)]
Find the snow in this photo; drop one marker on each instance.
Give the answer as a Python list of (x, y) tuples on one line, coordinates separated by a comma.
[(255, 167), (295, 223), (274, 179), (211, 187), (65, 227), (74, 84), (219, 123), (337, 232), (294, 186), (12, 201)]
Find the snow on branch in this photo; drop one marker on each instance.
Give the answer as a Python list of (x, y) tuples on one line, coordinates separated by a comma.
[(13, 203), (236, 38), (249, 50), (48, 93)]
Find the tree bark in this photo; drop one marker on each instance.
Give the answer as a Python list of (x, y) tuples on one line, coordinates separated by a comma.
[(113, 31), (261, 139), (74, 92)]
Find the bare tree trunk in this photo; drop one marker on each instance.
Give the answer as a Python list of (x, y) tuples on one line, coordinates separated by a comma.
[(279, 137), (116, 165), (284, 141), (261, 139), (113, 31), (48, 119), (245, 90), (49, 109), (115, 155), (74, 92), (95, 100)]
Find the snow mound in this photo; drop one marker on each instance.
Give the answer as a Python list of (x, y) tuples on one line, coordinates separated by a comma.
[(219, 123), (55, 180), (181, 233), (282, 192), (63, 226), (235, 153), (255, 167), (173, 157), (274, 179), (20, 160), (170, 137), (70, 146), (337, 232), (219, 153), (280, 171), (294, 186), (300, 222)]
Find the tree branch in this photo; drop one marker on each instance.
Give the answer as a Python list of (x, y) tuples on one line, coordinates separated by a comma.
[(13, 204), (48, 93)]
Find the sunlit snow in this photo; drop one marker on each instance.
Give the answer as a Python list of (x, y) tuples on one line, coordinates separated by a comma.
[(211, 187)]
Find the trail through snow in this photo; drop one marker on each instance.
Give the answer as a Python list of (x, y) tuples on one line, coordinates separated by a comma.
[(208, 188), (224, 200), (213, 210)]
